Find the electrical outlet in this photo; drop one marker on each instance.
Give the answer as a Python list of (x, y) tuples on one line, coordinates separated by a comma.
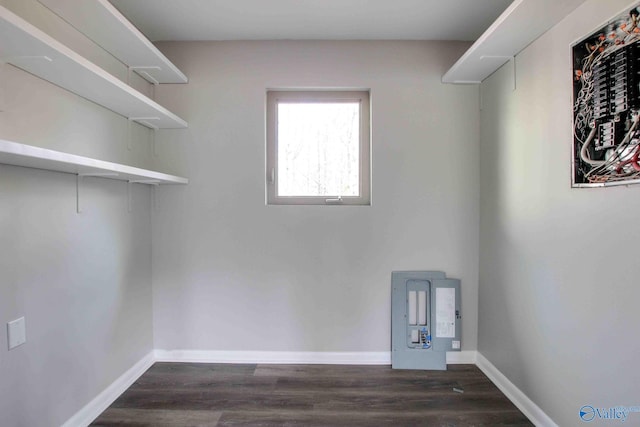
[(16, 333)]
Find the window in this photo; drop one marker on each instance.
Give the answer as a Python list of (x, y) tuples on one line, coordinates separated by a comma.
[(318, 148)]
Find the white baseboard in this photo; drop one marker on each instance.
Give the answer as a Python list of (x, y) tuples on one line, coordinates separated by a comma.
[(296, 357), (93, 409), (532, 411), (461, 357), (276, 357)]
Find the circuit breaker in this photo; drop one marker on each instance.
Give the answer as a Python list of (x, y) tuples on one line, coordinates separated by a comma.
[(606, 103), (425, 319)]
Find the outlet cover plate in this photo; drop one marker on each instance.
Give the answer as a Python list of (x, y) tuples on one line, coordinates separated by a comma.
[(16, 333)]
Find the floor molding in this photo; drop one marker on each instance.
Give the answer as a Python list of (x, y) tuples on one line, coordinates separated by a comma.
[(275, 357), (296, 357), (461, 357), (532, 411), (93, 409)]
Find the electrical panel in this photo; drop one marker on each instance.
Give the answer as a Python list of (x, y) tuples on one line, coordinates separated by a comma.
[(425, 319), (606, 107)]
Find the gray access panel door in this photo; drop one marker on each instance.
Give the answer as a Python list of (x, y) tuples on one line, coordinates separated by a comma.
[(445, 315), (443, 296)]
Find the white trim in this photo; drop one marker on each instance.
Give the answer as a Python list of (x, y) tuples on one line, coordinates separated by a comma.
[(274, 99), (93, 409), (461, 357), (275, 357), (532, 411), (296, 357)]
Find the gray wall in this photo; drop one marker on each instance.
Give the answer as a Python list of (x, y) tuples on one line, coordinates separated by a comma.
[(559, 288), (233, 274), (83, 282)]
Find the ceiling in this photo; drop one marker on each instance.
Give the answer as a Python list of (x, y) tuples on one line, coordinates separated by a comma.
[(312, 19)]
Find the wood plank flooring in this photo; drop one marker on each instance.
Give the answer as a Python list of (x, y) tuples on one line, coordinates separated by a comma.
[(187, 394)]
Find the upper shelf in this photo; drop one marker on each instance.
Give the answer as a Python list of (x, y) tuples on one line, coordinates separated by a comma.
[(520, 24), (13, 153), (29, 48), (104, 24)]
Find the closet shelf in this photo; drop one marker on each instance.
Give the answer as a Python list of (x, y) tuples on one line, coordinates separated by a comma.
[(26, 47), (13, 153), (519, 25), (106, 26)]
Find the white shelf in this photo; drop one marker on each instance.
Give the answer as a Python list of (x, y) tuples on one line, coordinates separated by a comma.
[(32, 50), (13, 153), (104, 24), (519, 25)]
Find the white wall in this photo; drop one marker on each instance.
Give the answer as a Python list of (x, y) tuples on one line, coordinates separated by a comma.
[(233, 274), (558, 266), (83, 282)]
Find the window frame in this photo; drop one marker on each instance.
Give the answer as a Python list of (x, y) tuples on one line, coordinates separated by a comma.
[(274, 97)]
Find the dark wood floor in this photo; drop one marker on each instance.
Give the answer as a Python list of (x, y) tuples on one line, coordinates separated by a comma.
[(185, 394)]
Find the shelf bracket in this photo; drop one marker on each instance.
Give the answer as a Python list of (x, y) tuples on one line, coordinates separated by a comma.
[(79, 179), (156, 198), (143, 121), (78, 193), (153, 142), (154, 182), (515, 72), (3, 79), (14, 59), (145, 181), (129, 197), (142, 72), (510, 58), (11, 60)]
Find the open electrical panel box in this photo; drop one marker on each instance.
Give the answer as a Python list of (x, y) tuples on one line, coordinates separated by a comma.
[(606, 103)]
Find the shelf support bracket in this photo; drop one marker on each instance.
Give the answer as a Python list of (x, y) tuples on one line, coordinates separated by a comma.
[(156, 201), (144, 121), (79, 179), (3, 79), (153, 141), (129, 197), (504, 59), (142, 72), (515, 72), (78, 193), (13, 59), (154, 182)]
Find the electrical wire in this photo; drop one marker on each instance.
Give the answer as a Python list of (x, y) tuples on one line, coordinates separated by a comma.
[(622, 161)]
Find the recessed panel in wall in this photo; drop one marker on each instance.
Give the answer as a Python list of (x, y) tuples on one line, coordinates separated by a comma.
[(606, 103)]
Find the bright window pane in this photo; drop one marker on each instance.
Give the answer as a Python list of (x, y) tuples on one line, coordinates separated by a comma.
[(318, 149)]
